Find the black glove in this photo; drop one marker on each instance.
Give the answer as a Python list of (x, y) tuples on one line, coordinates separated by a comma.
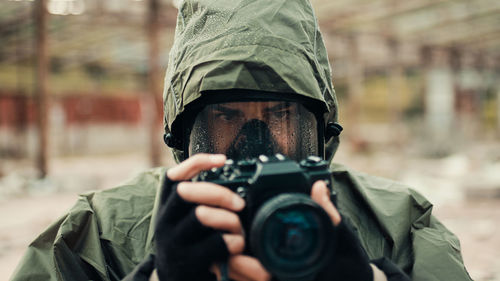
[(350, 261), (185, 249)]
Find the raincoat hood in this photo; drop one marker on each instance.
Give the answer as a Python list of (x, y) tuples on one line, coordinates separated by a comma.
[(258, 45)]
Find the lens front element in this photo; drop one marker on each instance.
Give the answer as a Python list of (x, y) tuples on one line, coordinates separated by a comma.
[(292, 236)]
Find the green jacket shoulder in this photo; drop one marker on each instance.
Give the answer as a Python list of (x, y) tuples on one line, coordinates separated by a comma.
[(102, 237), (395, 221)]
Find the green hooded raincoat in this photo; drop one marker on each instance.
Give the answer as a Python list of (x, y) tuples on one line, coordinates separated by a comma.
[(272, 46)]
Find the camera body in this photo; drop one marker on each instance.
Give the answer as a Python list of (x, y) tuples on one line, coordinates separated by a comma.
[(285, 229)]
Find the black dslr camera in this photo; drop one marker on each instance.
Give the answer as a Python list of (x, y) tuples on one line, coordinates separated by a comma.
[(291, 235)]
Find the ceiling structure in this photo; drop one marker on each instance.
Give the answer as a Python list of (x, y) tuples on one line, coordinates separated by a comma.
[(376, 32), (471, 27)]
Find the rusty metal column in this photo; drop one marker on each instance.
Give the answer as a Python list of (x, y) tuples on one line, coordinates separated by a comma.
[(153, 27), (497, 89), (41, 16)]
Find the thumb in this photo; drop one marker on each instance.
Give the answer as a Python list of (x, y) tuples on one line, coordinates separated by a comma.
[(321, 195)]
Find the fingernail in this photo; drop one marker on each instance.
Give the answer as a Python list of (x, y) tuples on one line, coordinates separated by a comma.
[(238, 202), (217, 158)]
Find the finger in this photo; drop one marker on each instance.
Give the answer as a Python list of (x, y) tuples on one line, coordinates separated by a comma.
[(243, 267), (321, 195), (194, 165), (220, 219), (211, 194), (235, 243)]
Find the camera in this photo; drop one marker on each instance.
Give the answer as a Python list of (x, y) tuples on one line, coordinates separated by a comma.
[(290, 234)]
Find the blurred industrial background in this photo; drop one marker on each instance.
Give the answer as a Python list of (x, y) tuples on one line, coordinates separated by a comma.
[(417, 80)]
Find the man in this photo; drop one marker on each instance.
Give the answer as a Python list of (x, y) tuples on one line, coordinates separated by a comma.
[(245, 78)]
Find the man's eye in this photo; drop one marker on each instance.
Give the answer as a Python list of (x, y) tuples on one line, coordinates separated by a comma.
[(281, 113), (225, 116)]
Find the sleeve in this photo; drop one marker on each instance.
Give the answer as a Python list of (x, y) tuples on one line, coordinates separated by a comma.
[(436, 253), (69, 249)]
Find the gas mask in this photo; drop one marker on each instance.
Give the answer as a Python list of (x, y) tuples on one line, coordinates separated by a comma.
[(243, 130)]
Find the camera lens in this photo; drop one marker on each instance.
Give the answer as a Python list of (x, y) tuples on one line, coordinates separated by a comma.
[(292, 236)]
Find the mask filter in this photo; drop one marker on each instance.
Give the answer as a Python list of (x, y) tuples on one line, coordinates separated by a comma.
[(252, 140)]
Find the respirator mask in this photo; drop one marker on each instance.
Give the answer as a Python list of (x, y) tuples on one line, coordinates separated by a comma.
[(247, 129)]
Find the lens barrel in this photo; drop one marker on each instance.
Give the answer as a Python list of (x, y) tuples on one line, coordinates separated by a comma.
[(292, 236)]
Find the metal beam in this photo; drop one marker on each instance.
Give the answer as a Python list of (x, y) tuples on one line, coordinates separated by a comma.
[(455, 33), (408, 20), (355, 16), (459, 17)]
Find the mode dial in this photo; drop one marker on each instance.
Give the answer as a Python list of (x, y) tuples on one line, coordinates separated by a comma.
[(313, 162)]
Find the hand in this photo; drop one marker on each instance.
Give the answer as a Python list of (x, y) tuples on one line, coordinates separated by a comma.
[(190, 215), (248, 268), (185, 245), (350, 261)]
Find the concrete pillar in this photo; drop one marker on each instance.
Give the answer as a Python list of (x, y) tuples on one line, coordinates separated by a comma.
[(355, 81), (439, 99), (395, 81), (471, 88)]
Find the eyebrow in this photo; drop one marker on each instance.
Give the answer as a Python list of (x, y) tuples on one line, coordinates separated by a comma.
[(280, 106), (229, 110)]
